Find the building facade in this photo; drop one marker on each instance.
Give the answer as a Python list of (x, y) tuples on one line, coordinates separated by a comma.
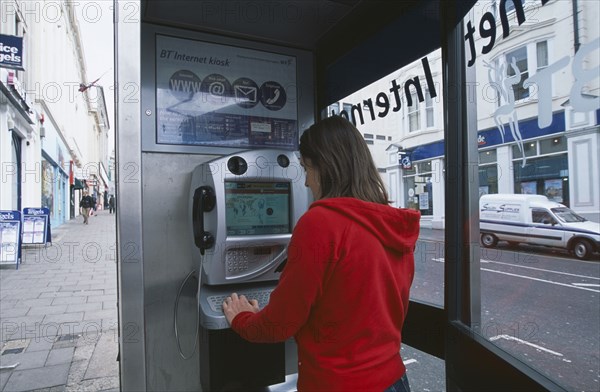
[(533, 95), (53, 129)]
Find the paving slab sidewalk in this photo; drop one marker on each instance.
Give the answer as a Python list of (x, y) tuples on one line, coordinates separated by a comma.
[(58, 312)]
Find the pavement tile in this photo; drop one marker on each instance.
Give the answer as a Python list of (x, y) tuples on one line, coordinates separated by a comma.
[(74, 299), (104, 359), (63, 318), (86, 307), (36, 302), (100, 314), (44, 310), (45, 377), (96, 385), (59, 356), (26, 360), (41, 344), (4, 375), (13, 312), (59, 307)]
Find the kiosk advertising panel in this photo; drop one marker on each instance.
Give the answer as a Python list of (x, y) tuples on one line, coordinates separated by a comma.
[(210, 94)]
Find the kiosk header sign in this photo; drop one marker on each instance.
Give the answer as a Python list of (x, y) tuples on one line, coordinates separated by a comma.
[(224, 96)]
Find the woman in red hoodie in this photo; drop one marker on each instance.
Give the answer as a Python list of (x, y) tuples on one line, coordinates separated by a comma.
[(344, 292)]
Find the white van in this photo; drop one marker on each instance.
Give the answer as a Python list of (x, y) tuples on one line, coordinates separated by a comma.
[(533, 219)]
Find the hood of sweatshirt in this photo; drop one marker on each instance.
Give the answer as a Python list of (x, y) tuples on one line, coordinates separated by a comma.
[(396, 228)]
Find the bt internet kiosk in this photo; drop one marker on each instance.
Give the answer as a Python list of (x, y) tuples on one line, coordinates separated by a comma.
[(243, 209)]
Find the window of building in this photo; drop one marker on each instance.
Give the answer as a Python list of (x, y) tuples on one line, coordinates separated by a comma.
[(333, 110), (429, 110), (347, 107), (518, 58), (368, 136), (380, 137), (414, 119), (541, 49)]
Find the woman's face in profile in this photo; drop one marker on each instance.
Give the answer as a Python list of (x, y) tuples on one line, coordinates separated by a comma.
[(312, 178)]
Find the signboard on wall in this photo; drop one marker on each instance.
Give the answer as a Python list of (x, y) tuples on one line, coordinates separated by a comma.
[(11, 52), (210, 94)]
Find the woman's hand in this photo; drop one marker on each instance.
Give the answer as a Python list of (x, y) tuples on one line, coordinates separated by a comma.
[(234, 305)]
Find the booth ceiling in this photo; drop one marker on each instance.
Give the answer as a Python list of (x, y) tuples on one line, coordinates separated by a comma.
[(300, 24)]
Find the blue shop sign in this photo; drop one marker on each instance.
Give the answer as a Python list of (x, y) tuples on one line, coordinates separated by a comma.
[(11, 52), (493, 137)]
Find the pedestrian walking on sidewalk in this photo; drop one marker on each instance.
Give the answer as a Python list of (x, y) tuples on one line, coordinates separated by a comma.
[(111, 204), (86, 204)]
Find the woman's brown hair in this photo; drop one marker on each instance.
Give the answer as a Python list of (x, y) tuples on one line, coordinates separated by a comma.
[(340, 155)]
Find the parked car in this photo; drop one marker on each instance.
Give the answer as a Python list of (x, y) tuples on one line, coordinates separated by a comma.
[(533, 219)]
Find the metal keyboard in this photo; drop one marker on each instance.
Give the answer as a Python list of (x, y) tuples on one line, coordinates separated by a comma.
[(216, 301)]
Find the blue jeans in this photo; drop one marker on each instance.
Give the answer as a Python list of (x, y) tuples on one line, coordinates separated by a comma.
[(400, 385)]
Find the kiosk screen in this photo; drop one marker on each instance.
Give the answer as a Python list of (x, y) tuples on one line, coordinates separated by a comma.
[(257, 208)]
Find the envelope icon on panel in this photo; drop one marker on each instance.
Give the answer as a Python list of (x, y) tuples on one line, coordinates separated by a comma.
[(246, 93)]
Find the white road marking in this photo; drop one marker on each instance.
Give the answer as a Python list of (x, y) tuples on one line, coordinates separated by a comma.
[(409, 361), (541, 269), (582, 286), (541, 280), (508, 337)]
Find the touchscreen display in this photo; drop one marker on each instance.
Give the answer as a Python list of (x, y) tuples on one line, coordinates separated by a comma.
[(257, 208)]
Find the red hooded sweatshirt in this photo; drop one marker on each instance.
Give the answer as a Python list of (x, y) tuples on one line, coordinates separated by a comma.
[(343, 295)]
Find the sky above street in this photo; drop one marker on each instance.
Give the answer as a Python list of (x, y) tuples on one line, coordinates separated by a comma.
[(96, 25)]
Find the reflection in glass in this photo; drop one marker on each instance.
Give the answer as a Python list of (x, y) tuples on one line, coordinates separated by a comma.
[(539, 304)]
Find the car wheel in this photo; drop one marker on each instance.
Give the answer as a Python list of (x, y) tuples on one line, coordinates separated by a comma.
[(582, 249), (489, 240)]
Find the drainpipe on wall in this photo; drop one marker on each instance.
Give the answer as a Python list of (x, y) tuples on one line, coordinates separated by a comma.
[(576, 26)]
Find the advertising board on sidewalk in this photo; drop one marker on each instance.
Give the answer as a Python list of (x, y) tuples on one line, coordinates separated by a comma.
[(10, 237)]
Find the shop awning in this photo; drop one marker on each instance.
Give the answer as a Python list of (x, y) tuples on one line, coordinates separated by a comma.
[(77, 184)]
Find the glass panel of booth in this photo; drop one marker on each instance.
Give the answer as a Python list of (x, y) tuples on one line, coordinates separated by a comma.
[(409, 155), (534, 74), (396, 116)]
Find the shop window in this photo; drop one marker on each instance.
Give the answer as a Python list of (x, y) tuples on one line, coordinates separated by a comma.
[(488, 172), (556, 144), (419, 188), (488, 156), (529, 150), (544, 176)]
